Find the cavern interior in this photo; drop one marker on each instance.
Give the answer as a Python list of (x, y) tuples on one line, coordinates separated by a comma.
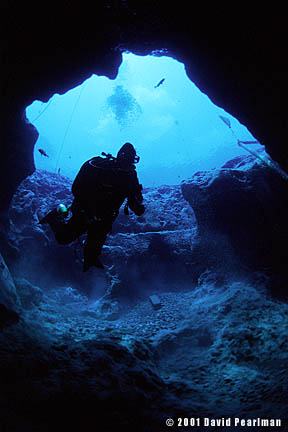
[(187, 324)]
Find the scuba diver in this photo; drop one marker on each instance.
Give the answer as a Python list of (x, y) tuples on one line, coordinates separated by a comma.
[(100, 188)]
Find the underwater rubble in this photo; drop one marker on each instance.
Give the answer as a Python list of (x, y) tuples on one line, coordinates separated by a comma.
[(215, 348)]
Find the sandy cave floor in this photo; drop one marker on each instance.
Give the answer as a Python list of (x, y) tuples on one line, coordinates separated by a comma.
[(222, 348), (67, 314)]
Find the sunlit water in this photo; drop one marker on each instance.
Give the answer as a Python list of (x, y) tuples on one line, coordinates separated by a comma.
[(175, 128)]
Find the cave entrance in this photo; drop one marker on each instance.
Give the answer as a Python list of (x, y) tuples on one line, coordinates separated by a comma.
[(177, 131), (175, 128)]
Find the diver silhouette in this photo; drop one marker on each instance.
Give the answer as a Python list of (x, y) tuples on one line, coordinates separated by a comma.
[(100, 188)]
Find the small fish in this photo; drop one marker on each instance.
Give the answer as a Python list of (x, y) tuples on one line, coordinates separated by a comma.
[(160, 82), (43, 153)]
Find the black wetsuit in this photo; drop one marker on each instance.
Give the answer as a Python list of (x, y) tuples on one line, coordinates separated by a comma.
[(99, 190)]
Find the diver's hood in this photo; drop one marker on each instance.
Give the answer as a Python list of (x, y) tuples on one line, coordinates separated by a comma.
[(127, 154)]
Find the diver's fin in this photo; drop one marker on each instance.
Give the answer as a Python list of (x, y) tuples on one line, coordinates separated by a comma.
[(95, 263), (51, 217)]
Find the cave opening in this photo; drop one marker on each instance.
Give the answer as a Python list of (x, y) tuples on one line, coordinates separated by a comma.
[(175, 128), (177, 131), (217, 346)]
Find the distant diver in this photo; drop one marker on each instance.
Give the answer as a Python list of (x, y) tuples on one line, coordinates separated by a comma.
[(43, 153), (100, 188), (160, 83)]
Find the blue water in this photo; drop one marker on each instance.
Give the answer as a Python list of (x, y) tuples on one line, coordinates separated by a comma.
[(175, 128)]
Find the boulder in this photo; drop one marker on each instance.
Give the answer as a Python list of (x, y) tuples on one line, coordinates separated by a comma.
[(8, 294), (241, 211), (30, 295)]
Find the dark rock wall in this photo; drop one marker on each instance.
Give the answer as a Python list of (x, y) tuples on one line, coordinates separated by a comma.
[(236, 56), (16, 160)]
